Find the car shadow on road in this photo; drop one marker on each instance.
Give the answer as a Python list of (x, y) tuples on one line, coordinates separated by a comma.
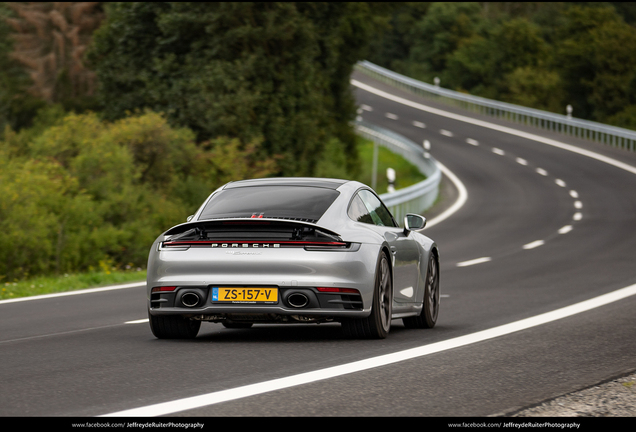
[(331, 332)]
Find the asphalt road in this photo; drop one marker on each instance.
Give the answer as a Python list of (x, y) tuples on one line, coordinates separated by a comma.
[(543, 228)]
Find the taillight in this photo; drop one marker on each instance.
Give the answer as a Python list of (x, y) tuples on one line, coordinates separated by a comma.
[(338, 290), (163, 289)]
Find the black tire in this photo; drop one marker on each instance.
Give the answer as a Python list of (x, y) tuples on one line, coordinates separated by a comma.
[(430, 308), (173, 327), (378, 323)]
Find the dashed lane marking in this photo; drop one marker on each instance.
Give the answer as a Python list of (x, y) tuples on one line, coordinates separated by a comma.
[(472, 141), (474, 262), (534, 244)]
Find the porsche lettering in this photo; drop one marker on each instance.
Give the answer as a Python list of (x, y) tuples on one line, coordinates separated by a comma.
[(246, 245)]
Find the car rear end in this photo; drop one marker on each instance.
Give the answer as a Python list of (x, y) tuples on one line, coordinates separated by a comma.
[(256, 254)]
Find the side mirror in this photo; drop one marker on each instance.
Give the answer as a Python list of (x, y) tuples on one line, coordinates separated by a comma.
[(413, 222), (189, 218)]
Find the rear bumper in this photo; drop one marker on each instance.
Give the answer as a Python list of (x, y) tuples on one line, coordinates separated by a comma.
[(307, 302), (295, 273)]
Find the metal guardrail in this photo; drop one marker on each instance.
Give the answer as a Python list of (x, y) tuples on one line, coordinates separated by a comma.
[(610, 135), (415, 198)]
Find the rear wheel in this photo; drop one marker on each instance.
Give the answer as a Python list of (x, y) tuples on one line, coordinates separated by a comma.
[(430, 307), (378, 323), (173, 327)]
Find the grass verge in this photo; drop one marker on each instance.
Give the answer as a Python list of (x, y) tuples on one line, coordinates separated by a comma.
[(68, 282), (407, 173)]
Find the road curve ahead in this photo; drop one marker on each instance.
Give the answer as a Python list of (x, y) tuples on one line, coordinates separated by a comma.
[(538, 283)]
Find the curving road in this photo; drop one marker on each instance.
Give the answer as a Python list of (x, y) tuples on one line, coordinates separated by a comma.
[(537, 277)]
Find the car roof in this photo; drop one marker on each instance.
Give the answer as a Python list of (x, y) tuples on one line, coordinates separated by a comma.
[(288, 181)]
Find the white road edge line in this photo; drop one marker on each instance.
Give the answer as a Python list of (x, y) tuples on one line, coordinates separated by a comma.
[(77, 292), (139, 321), (461, 199), (374, 362)]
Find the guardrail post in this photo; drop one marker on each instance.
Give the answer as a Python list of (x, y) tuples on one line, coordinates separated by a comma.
[(390, 176), (374, 170)]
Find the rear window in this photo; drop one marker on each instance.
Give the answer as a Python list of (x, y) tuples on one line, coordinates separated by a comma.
[(284, 202)]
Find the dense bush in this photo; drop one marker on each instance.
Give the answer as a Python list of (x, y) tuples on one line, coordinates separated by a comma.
[(85, 191)]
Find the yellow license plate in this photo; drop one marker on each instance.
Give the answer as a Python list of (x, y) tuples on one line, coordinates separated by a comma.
[(244, 295)]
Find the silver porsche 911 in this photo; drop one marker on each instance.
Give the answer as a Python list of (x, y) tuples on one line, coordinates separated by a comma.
[(293, 250)]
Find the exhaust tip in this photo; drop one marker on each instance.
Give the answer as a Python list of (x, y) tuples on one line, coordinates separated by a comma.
[(297, 300), (190, 299)]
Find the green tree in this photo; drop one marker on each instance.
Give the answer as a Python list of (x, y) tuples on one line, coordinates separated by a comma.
[(274, 72), (597, 62), (488, 63), (541, 55), (444, 28)]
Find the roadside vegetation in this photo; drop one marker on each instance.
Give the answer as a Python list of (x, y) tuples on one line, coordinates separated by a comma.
[(42, 285), (407, 173), (544, 55)]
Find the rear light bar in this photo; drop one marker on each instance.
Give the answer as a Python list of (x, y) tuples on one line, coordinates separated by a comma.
[(253, 244)]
